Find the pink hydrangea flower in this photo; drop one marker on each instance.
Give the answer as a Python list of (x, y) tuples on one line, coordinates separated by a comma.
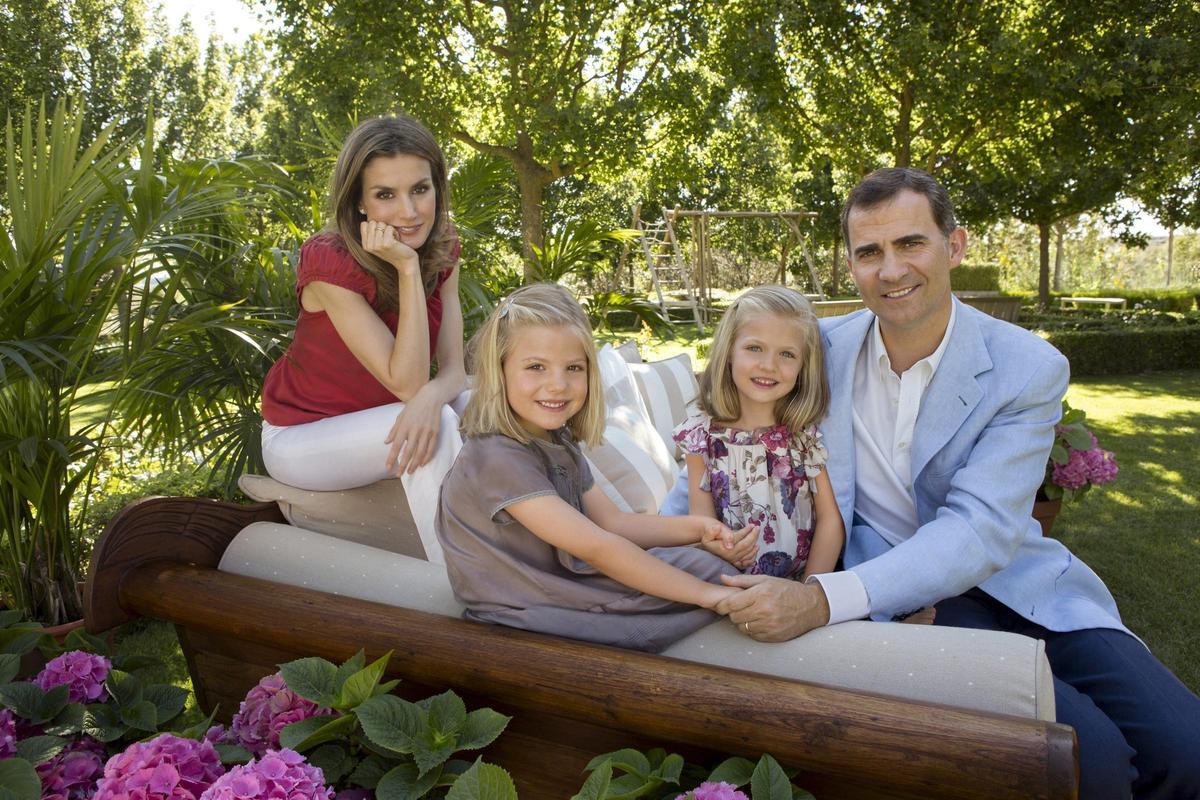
[(1094, 465), (8, 734), (165, 768), (83, 673), (72, 774), (278, 774), (269, 708), (714, 791)]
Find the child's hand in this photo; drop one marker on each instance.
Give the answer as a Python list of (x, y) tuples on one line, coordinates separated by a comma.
[(739, 548)]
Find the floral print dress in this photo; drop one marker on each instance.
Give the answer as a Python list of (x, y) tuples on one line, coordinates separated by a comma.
[(762, 477)]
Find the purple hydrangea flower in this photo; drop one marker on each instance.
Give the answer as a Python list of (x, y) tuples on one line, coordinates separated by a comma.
[(83, 673), (278, 774), (72, 774), (165, 768), (8, 734), (269, 708), (714, 791)]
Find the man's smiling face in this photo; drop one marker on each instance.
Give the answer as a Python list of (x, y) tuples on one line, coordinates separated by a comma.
[(901, 263)]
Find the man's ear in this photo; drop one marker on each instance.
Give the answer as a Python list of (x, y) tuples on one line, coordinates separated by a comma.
[(957, 242)]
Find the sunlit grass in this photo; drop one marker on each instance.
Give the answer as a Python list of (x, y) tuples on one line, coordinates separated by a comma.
[(1140, 533)]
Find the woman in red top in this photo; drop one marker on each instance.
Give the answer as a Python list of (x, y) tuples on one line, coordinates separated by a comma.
[(351, 402)]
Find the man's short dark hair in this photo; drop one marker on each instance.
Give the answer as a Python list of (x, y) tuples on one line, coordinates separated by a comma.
[(884, 184)]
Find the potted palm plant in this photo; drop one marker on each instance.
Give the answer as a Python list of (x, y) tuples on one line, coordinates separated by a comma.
[(1076, 464)]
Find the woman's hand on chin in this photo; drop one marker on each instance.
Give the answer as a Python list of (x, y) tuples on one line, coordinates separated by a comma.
[(380, 239), (414, 434)]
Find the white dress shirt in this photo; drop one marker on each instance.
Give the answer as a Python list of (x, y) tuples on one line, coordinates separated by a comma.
[(884, 415)]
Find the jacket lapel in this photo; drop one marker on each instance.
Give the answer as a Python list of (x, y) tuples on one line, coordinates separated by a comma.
[(842, 346), (953, 393)]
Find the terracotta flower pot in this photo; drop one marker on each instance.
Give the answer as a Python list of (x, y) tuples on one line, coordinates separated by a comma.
[(1044, 511)]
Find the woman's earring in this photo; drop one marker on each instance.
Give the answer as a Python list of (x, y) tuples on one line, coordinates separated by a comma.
[(362, 211)]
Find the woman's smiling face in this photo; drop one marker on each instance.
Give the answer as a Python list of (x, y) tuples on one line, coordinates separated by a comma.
[(398, 190)]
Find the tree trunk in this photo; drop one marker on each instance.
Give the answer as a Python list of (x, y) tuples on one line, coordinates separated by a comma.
[(1170, 253), (1043, 265), (833, 273), (1058, 257), (532, 186)]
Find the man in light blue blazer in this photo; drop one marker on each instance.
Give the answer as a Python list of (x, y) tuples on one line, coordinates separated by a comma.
[(940, 424)]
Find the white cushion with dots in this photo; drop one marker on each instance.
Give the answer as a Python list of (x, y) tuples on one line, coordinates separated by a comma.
[(980, 670)]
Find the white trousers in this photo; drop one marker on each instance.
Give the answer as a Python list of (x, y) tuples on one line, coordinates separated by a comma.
[(348, 451)]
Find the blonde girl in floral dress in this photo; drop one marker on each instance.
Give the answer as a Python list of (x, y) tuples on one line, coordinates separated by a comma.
[(754, 456)]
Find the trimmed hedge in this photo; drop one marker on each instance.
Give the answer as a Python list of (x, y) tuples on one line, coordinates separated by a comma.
[(975, 278), (1117, 352), (1181, 300)]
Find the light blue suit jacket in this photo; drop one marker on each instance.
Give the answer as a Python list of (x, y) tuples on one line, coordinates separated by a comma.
[(979, 453)]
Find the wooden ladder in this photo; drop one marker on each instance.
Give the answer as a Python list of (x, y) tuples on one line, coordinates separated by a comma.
[(668, 271)]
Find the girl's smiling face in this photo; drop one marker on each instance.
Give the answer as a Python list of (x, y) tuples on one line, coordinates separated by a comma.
[(765, 363), (545, 378)]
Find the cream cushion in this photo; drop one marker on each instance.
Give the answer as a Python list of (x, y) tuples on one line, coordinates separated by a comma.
[(632, 465), (981, 670), (667, 387)]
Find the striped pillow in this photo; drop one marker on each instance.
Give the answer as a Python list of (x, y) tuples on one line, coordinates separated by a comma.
[(632, 465), (668, 387)]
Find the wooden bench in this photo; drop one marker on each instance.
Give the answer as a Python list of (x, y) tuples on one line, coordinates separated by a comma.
[(569, 700), (1105, 303)]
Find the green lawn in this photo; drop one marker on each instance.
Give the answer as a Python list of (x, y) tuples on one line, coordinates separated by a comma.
[(1141, 533)]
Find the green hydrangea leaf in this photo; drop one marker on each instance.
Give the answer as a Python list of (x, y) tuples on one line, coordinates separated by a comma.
[(10, 664), (369, 772), (596, 786), (308, 733), (231, 754), (632, 761), (126, 690), (670, 769), (447, 714), (19, 779), (391, 723), (1078, 438), (769, 781), (19, 641), (314, 679), (68, 721), (102, 721), (405, 783), (333, 760), (360, 686), (483, 782), (736, 770), (348, 667), (37, 749), (1059, 454), (141, 715), (481, 728), (168, 701), (431, 749)]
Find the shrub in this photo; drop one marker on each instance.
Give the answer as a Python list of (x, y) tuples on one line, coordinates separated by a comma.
[(975, 278), (1114, 351)]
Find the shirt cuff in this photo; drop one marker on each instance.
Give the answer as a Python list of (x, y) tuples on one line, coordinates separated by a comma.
[(846, 595)]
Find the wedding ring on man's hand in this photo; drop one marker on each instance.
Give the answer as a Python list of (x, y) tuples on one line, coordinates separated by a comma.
[(746, 626)]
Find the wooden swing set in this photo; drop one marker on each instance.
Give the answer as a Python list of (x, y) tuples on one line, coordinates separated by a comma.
[(676, 285)]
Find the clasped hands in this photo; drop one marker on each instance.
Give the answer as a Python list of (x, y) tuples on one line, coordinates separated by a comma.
[(765, 608)]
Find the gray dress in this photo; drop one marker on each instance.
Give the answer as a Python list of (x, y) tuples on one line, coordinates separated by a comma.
[(505, 574)]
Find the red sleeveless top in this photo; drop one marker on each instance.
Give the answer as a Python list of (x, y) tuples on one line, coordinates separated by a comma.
[(318, 376)]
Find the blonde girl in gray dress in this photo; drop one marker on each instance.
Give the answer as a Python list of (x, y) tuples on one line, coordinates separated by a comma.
[(530, 541)]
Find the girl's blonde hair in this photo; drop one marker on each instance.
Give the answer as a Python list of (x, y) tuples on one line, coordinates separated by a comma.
[(385, 137), (539, 304), (808, 400)]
